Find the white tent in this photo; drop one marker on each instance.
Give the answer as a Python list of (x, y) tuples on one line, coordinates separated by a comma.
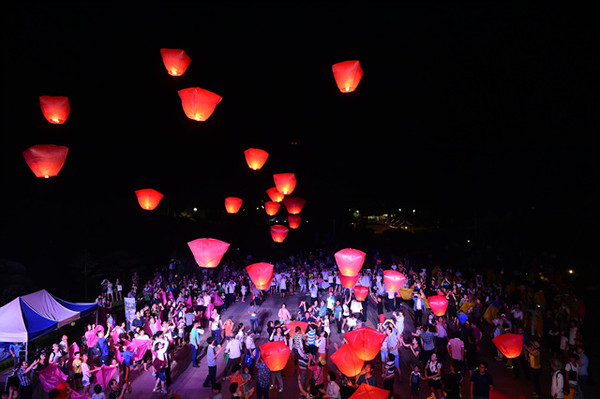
[(44, 304)]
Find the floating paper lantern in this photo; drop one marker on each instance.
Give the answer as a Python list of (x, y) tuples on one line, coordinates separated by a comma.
[(365, 342), (347, 361), (348, 281), (261, 274), (279, 232), (275, 195), (349, 261), (393, 280), (45, 160), (55, 108), (176, 60), (233, 204), (291, 326), (294, 221), (285, 182), (366, 391), (509, 344), (208, 252), (272, 208), (148, 198), (438, 304), (256, 158), (275, 354), (294, 205), (198, 104), (347, 75), (361, 292)]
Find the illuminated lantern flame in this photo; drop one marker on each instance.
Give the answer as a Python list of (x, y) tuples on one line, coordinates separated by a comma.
[(55, 108), (294, 221), (261, 274), (285, 182), (45, 160), (272, 208), (348, 281), (438, 304), (509, 344), (365, 342), (349, 261), (279, 232), (256, 158), (347, 361), (291, 326), (361, 292), (198, 104), (393, 280), (347, 75), (294, 205), (233, 204), (275, 195), (148, 198), (176, 60), (208, 252), (275, 354), (366, 391)]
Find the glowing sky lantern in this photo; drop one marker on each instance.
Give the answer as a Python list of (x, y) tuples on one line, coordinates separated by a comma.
[(275, 354), (294, 221), (366, 391), (347, 75), (294, 205), (348, 281), (285, 182), (279, 232), (438, 304), (208, 252), (393, 280), (55, 108), (275, 195), (261, 274), (347, 361), (45, 160), (272, 208), (256, 158), (509, 344), (148, 198), (198, 104), (361, 292), (365, 342), (233, 204), (176, 60), (349, 261)]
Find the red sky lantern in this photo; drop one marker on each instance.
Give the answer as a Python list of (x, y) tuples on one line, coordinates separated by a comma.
[(348, 281), (438, 304), (346, 361), (272, 208), (393, 280), (275, 354), (233, 204), (176, 60), (275, 195), (256, 158), (294, 205), (509, 344), (198, 104), (55, 108), (365, 342), (148, 198), (285, 182), (349, 261), (208, 252), (366, 391), (294, 221), (291, 326), (45, 160), (361, 292), (347, 75), (261, 274), (279, 232)]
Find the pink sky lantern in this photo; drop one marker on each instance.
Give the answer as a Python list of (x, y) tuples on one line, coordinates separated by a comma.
[(349, 261), (438, 304), (256, 158), (233, 204), (294, 221), (347, 75), (275, 195), (294, 205), (275, 354), (509, 344), (347, 361), (176, 60), (261, 274), (208, 252), (55, 108), (148, 198), (272, 208), (393, 280), (361, 292), (198, 104), (285, 182), (291, 326), (348, 281), (366, 391), (46, 160), (279, 232), (365, 342)]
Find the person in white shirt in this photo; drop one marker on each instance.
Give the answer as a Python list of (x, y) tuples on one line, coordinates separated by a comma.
[(333, 389), (234, 349), (557, 380)]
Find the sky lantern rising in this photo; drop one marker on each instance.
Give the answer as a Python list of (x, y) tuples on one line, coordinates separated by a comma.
[(275, 354), (348, 281), (148, 198), (347, 362), (275, 195), (294, 204), (347, 75), (256, 158), (393, 280), (285, 182), (349, 261), (366, 391), (509, 344), (208, 252), (176, 60), (361, 292), (45, 160), (438, 304), (294, 221), (279, 232), (365, 342), (233, 204), (198, 104), (261, 274), (272, 208), (55, 108)]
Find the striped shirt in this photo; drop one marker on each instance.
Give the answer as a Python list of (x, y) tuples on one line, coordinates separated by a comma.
[(310, 336)]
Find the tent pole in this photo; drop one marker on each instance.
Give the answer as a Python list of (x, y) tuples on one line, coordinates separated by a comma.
[(26, 349)]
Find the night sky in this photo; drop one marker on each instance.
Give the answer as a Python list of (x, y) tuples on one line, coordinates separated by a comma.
[(464, 108)]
